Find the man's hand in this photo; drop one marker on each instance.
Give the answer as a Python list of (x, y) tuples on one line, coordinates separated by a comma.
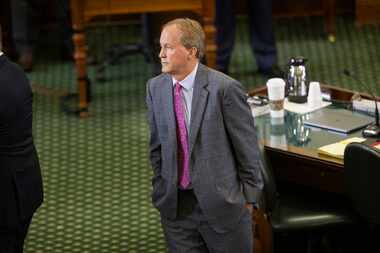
[(250, 207)]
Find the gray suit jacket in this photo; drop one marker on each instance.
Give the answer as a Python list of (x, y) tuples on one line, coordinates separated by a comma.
[(224, 158)]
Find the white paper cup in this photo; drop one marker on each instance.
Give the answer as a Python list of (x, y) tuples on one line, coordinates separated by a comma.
[(277, 121), (276, 95), (278, 140), (314, 97), (277, 132)]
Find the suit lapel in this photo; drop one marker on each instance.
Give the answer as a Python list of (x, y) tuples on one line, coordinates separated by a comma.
[(200, 95), (167, 98)]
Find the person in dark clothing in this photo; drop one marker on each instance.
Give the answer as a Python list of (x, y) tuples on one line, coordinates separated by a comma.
[(261, 34), (26, 30), (21, 190)]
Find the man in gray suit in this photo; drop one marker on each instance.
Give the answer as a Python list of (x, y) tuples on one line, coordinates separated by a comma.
[(203, 149)]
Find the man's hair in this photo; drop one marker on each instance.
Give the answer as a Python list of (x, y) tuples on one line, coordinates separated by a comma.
[(192, 34)]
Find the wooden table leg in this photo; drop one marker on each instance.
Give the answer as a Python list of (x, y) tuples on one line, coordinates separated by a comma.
[(210, 31), (330, 13), (80, 56)]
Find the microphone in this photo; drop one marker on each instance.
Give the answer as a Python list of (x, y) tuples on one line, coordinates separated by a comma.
[(372, 130)]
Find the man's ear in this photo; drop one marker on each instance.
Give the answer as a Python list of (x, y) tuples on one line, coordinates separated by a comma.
[(193, 52)]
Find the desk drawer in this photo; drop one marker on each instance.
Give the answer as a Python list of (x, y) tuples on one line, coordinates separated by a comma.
[(307, 172)]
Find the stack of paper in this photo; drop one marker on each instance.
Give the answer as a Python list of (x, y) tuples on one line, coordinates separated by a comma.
[(259, 110), (365, 105), (337, 149)]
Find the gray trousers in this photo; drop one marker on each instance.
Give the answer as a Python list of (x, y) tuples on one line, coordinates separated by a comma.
[(191, 233)]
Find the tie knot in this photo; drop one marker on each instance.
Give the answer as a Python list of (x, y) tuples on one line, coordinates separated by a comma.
[(178, 86)]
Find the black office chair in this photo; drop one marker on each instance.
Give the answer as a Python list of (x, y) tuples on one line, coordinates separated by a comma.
[(295, 213), (362, 180)]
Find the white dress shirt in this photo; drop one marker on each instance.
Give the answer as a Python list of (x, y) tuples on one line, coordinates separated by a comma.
[(187, 94)]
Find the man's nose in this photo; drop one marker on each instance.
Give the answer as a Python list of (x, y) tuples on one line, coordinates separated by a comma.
[(162, 53)]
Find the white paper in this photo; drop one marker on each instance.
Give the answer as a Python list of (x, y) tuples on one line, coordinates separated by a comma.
[(303, 108), (365, 105), (259, 110)]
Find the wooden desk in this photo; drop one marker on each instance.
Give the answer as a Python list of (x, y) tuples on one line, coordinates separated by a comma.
[(83, 11), (302, 165)]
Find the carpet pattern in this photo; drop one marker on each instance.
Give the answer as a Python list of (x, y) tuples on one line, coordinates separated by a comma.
[(96, 171)]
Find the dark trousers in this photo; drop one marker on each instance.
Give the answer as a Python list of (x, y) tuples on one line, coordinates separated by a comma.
[(191, 233), (25, 28), (261, 33), (12, 239)]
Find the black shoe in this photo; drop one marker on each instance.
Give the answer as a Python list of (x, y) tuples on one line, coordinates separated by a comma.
[(274, 71)]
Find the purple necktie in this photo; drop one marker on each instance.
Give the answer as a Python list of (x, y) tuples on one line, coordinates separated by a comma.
[(182, 143)]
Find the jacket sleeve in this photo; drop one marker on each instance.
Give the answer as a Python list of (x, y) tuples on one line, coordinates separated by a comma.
[(240, 127), (154, 144)]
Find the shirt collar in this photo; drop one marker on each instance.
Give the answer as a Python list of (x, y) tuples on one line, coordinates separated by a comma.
[(188, 81), (1, 53)]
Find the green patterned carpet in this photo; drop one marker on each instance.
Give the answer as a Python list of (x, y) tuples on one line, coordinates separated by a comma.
[(96, 171)]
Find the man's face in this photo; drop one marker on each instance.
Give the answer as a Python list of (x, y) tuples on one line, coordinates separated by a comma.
[(175, 58)]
